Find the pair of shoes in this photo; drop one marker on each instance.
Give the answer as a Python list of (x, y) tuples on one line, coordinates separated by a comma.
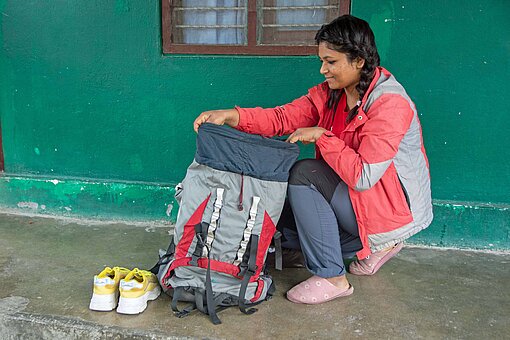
[(371, 264), (135, 287), (316, 290), (291, 258)]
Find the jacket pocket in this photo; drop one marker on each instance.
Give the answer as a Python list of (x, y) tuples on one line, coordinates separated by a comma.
[(385, 205)]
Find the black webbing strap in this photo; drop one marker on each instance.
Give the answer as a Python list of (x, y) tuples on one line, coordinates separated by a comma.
[(201, 303), (165, 258), (200, 229), (177, 295), (209, 293), (278, 263), (248, 273)]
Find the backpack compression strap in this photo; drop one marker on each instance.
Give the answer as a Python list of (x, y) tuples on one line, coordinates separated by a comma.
[(200, 230), (251, 268)]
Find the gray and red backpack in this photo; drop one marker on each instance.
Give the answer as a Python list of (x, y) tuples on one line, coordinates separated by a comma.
[(229, 204)]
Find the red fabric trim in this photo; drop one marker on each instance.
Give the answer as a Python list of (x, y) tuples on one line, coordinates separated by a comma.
[(266, 235), (188, 234), (189, 230), (217, 266), (259, 290)]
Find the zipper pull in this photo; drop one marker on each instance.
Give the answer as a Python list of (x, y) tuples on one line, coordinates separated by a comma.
[(240, 204)]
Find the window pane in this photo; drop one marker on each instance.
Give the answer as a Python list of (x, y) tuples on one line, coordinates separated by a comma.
[(293, 22), (210, 22)]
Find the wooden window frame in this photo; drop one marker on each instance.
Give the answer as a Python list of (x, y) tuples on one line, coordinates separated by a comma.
[(250, 49)]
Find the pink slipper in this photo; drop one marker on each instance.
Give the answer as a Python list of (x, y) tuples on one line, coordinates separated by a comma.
[(371, 264), (316, 290)]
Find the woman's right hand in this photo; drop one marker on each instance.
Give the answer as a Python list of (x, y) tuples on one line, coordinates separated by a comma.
[(218, 117)]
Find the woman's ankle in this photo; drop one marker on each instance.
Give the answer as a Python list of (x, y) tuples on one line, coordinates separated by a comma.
[(339, 281)]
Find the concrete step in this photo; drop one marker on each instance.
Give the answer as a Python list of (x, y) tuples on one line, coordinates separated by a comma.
[(47, 267)]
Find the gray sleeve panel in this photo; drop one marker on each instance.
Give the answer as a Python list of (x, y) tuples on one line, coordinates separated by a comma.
[(370, 174)]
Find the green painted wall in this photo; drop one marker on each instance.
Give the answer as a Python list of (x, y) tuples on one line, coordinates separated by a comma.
[(86, 97), (87, 93), (454, 59)]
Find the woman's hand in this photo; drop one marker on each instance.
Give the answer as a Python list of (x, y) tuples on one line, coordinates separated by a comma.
[(218, 117), (306, 135)]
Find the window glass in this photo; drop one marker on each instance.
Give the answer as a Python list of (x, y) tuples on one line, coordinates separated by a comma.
[(210, 22)]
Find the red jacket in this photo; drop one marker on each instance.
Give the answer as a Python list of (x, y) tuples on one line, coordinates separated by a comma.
[(380, 156)]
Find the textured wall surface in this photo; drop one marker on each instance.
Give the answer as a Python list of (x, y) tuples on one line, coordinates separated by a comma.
[(86, 96), (86, 91), (454, 59)]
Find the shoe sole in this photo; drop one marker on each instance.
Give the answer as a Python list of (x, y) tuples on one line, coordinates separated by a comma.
[(139, 304), (388, 256), (103, 303)]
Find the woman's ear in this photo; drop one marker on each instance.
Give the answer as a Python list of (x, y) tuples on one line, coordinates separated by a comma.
[(360, 62)]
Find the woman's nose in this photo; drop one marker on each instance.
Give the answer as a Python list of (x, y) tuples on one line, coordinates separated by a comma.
[(323, 69)]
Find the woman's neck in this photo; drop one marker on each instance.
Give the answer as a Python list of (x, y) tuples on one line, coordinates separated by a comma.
[(352, 96)]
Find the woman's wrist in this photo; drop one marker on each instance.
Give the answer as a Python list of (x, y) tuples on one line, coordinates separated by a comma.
[(232, 117)]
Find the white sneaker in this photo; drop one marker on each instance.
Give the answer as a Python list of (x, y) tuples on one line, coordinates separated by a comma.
[(106, 288), (138, 287)]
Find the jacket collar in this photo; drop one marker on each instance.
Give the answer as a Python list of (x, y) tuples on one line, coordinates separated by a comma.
[(379, 70), (360, 118)]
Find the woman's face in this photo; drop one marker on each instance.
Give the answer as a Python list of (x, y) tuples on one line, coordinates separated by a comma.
[(340, 73)]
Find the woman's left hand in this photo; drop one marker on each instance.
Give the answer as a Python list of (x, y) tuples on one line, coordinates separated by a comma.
[(306, 135)]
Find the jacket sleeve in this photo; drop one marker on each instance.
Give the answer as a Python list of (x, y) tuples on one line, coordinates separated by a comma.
[(285, 119), (389, 118)]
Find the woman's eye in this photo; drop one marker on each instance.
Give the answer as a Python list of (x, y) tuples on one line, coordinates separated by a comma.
[(331, 62)]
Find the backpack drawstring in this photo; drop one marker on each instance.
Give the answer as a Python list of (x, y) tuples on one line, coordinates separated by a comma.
[(240, 205)]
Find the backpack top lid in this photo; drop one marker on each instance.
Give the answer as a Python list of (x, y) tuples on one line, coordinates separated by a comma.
[(223, 148)]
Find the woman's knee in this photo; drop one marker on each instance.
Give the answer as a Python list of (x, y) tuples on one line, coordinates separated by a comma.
[(304, 171)]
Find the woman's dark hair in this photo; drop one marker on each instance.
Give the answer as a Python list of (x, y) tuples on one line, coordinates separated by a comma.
[(354, 37)]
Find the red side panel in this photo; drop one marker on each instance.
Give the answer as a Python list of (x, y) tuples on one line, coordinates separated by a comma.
[(189, 230), (259, 290), (266, 235)]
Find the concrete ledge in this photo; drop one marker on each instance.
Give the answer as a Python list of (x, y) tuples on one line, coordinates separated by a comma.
[(469, 225), (32, 326), (97, 199), (48, 265)]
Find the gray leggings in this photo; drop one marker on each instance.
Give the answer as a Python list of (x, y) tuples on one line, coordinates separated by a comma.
[(318, 218)]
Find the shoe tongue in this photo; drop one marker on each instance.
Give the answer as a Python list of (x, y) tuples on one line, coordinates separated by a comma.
[(108, 272), (138, 276)]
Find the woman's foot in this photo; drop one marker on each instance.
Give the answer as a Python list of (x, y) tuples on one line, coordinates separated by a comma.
[(340, 282), (371, 264), (317, 290)]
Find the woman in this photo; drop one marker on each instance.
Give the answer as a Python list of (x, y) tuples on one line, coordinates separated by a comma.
[(369, 188)]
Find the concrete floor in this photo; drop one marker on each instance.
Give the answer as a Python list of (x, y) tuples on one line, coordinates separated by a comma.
[(47, 267)]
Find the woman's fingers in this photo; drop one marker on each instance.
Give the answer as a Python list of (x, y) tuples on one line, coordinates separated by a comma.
[(218, 117), (202, 118), (292, 138), (306, 135), (214, 117)]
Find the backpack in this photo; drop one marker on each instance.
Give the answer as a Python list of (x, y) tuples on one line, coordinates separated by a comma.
[(229, 203)]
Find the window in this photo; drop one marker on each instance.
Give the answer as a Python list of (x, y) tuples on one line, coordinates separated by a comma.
[(256, 27)]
